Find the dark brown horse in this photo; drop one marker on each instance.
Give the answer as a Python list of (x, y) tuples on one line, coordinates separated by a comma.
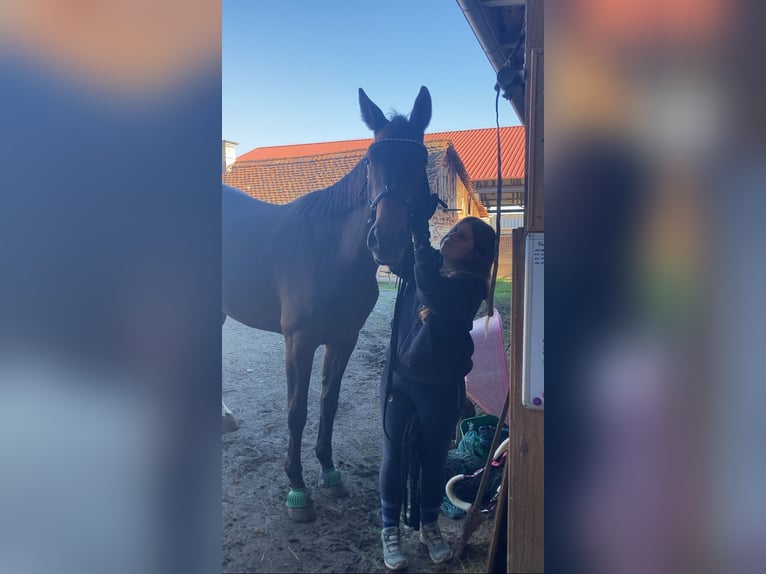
[(307, 270)]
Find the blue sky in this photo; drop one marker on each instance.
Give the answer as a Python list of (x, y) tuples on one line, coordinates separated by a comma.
[(291, 70)]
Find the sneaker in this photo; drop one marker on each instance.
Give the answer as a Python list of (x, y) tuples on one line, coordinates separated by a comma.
[(438, 549), (392, 551)]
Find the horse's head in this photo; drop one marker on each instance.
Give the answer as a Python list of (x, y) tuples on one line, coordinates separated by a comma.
[(396, 177)]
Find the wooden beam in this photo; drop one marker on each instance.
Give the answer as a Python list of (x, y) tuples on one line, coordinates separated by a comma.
[(526, 487), (534, 116), (502, 3), (535, 195)]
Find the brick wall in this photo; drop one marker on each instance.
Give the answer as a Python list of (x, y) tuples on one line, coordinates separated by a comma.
[(440, 224)]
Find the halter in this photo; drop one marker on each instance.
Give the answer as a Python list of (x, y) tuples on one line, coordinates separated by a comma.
[(386, 192)]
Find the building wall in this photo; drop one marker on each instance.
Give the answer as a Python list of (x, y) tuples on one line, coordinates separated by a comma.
[(505, 267), (440, 224), (228, 154)]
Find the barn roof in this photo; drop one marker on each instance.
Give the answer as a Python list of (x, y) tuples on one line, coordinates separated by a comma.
[(477, 150), (282, 179)]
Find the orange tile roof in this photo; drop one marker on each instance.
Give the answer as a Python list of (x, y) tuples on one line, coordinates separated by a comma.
[(282, 179), (300, 150), (476, 148)]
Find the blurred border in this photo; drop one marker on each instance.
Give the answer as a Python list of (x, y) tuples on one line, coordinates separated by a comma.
[(110, 292), (654, 172)]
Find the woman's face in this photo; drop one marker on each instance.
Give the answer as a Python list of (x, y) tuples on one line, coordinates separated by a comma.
[(457, 246)]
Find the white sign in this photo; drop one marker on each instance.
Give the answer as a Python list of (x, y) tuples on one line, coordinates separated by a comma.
[(533, 363)]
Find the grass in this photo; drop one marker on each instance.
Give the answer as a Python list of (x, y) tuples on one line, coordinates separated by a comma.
[(502, 302), (503, 292), (386, 286)]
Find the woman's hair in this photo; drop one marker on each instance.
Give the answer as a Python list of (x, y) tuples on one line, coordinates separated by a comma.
[(479, 266), (483, 246)]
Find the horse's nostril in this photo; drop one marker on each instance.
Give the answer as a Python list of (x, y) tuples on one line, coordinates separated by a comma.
[(372, 239)]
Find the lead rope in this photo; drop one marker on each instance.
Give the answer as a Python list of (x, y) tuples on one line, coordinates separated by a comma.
[(410, 466), (498, 213), (393, 346)]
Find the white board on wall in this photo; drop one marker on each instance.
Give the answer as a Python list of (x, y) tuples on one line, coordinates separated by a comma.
[(533, 362)]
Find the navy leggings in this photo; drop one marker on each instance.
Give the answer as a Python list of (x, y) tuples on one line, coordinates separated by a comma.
[(436, 409)]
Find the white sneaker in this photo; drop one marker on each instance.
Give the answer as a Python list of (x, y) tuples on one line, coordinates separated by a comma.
[(438, 549), (393, 557)]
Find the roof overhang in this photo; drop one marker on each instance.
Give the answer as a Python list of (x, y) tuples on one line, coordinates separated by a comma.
[(499, 27)]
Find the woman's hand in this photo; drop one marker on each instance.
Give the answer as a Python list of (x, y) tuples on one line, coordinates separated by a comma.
[(419, 217)]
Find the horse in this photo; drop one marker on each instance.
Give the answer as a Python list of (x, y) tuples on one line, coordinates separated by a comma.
[(307, 269)]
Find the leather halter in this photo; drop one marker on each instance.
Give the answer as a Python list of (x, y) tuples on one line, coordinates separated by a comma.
[(373, 202)]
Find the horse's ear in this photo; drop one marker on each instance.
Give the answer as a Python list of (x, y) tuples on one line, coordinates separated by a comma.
[(421, 111), (371, 114)]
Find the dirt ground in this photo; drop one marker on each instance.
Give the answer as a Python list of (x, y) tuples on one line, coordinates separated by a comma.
[(258, 536)]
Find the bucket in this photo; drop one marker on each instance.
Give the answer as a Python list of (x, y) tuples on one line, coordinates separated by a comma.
[(480, 421)]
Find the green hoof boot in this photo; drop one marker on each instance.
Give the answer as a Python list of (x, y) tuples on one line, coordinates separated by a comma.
[(300, 507), (332, 483)]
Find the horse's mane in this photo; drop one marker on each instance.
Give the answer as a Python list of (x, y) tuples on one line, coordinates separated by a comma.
[(399, 127), (338, 199)]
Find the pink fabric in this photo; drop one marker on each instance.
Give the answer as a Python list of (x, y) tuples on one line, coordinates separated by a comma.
[(487, 383)]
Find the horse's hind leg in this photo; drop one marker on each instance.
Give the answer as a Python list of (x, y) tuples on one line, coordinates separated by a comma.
[(335, 360), (299, 356)]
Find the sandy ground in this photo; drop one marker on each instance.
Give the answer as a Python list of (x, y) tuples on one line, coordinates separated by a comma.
[(258, 536)]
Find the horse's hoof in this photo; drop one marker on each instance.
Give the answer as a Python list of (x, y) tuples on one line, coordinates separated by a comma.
[(300, 507), (337, 491), (332, 484), (306, 514), (229, 423)]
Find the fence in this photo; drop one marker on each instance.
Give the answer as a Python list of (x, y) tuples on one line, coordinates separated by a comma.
[(505, 266)]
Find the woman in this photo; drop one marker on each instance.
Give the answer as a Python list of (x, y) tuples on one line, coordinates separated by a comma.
[(442, 293)]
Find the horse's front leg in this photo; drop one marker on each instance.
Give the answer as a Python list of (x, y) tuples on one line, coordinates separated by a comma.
[(229, 422), (335, 360), (299, 356)]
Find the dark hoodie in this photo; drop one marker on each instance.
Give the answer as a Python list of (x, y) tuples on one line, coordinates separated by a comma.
[(437, 351)]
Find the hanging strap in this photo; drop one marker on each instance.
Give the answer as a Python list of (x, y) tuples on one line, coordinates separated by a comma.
[(409, 476), (498, 212)]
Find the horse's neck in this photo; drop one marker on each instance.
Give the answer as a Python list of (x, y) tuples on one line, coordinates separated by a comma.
[(353, 240), (356, 225), (343, 196), (344, 203)]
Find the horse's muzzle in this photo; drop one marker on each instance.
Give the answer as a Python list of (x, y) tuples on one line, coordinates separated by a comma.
[(387, 248)]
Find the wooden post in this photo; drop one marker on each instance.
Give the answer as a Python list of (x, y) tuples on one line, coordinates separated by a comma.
[(525, 465)]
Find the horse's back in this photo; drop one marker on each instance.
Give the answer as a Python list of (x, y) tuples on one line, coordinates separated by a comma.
[(237, 205), (283, 270), (248, 258)]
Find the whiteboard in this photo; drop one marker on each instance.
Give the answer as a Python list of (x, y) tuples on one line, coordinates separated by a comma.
[(533, 362)]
